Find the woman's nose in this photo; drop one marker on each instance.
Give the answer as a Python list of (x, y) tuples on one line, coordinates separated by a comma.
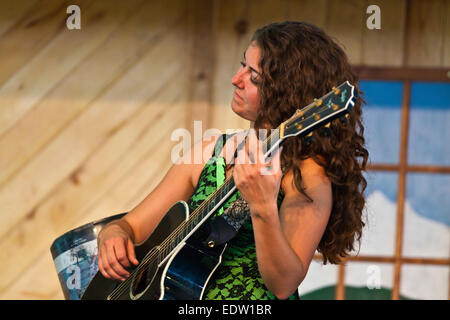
[(237, 79)]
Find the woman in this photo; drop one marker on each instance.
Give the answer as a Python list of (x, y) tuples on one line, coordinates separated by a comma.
[(314, 203)]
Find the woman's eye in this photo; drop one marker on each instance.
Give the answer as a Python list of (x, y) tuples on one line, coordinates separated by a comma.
[(254, 81)]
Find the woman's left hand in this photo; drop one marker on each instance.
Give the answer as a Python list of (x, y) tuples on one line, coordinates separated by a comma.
[(257, 180)]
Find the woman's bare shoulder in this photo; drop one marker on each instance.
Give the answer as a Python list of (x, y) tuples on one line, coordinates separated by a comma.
[(312, 175)]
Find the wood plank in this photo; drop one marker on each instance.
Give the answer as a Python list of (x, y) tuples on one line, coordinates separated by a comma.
[(143, 175), (46, 19), (403, 73), (74, 94), (104, 191), (312, 11), (121, 144), (263, 12), (140, 168), (231, 38), (385, 46), (54, 62), (426, 23), (201, 63), (345, 22), (40, 176), (12, 11), (38, 282)]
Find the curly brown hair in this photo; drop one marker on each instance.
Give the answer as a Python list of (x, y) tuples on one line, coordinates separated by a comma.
[(300, 62)]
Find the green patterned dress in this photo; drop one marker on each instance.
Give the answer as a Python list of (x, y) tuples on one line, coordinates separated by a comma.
[(237, 277)]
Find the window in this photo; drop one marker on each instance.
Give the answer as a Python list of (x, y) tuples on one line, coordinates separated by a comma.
[(405, 247)]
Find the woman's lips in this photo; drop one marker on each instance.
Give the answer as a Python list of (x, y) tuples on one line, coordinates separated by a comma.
[(237, 96)]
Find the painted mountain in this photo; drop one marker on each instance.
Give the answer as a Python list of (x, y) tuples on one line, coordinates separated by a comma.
[(417, 282)]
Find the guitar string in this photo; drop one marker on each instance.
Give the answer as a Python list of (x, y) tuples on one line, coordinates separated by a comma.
[(117, 292)]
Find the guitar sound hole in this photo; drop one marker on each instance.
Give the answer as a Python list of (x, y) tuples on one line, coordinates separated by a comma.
[(143, 280)]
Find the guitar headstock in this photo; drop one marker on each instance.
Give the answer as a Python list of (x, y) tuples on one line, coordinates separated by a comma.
[(337, 103)]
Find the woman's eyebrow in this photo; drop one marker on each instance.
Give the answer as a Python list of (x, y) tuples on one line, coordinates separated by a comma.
[(250, 67)]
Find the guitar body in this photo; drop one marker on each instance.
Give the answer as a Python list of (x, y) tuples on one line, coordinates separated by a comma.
[(190, 270), (182, 276)]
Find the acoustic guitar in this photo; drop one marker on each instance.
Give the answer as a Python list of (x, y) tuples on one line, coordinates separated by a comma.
[(174, 262)]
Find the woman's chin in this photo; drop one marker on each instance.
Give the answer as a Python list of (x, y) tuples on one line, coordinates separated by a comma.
[(241, 111), (236, 109)]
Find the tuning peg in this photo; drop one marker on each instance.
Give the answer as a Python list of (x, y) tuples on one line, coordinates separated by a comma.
[(336, 91), (334, 106), (318, 102)]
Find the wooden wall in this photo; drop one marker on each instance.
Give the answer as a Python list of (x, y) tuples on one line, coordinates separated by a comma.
[(86, 115)]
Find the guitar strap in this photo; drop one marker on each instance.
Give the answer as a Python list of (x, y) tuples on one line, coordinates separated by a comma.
[(224, 226)]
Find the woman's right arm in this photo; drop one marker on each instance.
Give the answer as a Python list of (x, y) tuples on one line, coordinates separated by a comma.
[(116, 240)]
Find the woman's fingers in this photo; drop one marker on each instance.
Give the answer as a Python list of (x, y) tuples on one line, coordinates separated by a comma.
[(114, 268), (120, 250), (251, 161), (113, 256), (108, 272)]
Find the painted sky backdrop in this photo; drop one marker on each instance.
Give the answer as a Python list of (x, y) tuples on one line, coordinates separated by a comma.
[(429, 131)]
